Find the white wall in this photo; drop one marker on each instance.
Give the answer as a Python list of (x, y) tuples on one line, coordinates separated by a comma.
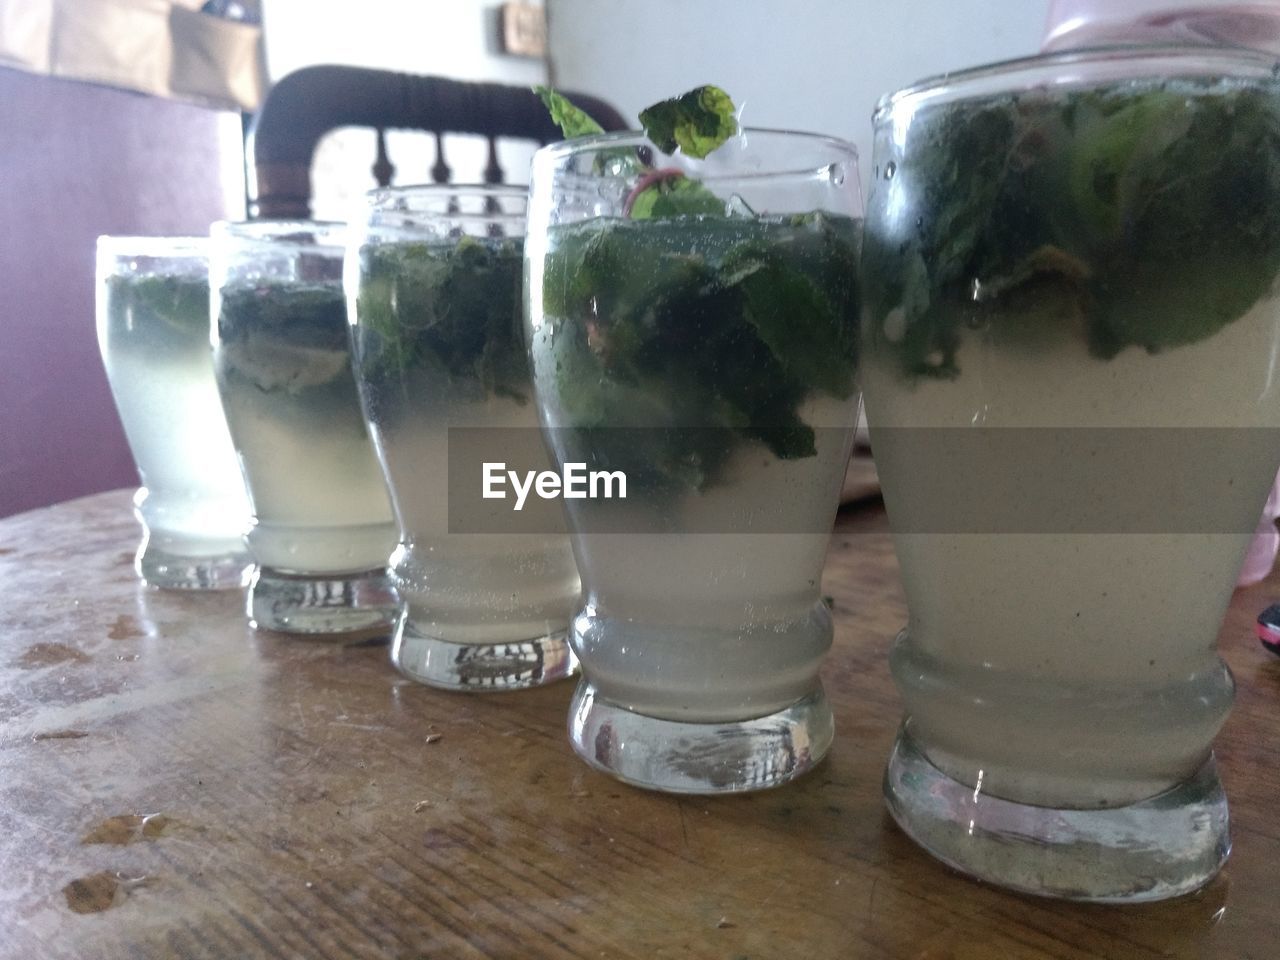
[(806, 64), (450, 38), (811, 64)]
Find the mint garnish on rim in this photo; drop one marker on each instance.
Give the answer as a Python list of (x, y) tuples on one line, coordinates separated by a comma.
[(696, 123), (572, 121)]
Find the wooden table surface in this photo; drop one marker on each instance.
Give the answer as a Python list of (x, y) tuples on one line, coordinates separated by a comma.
[(305, 801)]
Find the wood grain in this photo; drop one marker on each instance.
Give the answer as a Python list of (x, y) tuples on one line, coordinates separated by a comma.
[(317, 805)]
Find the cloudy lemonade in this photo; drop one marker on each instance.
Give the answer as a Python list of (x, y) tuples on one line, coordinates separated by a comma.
[(322, 527), (153, 328), (320, 504), (444, 377), (1070, 348)]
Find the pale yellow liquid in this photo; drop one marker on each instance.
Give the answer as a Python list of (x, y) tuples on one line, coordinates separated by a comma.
[(718, 625), (320, 504), (161, 378), (468, 587)]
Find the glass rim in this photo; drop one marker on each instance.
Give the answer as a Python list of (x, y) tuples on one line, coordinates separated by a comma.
[(382, 194), (130, 245), (410, 202), (638, 138), (1193, 59), (288, 233)]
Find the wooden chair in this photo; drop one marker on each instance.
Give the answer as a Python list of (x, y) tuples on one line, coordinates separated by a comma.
[(309, 103)]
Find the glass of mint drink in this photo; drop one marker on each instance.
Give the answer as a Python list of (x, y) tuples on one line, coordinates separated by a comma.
[(1071, 339), (153, 328), (693, 328), (322, 529), (433, 277)]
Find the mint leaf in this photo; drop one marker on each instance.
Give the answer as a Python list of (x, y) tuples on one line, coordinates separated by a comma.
[(447, 310), (809, 325), (282, 335), (1129, 215), (673, 196), (1114, 142), (573, 122), (1201, 239), (697, 122), (181, 302), (311, 315), (692, 331)]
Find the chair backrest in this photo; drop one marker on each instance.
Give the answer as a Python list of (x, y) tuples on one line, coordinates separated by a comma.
[(309, 103)]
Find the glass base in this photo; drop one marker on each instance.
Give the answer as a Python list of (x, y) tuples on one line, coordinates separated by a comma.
[(481, 666), (322, 604), (706, 758), (1166, 846), (173, 571)]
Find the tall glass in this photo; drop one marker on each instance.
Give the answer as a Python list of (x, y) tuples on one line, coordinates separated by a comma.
[(322, 528), (1071, 337), (434, 278), (709, 360), (153, 329)]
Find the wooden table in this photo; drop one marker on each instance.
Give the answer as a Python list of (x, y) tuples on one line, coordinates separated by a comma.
[(310, 803)]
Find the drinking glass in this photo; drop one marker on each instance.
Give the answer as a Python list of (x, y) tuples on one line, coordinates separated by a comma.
[(322, 528), (1070, 352), (433, 280), (707, 359), (153, 330)]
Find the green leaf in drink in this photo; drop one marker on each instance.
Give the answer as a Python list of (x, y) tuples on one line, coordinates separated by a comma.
[(694, 320), (1125, 216), (450, 307)]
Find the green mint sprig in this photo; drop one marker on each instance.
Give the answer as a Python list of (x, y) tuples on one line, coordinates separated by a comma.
[(1127, 216), (696, 123), (445, 307), (572, 120)]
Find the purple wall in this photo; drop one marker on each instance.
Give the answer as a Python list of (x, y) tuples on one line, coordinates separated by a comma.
[(79, 160)]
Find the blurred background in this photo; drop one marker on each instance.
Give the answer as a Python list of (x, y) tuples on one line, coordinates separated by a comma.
[(160, 116), (808, 64)]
